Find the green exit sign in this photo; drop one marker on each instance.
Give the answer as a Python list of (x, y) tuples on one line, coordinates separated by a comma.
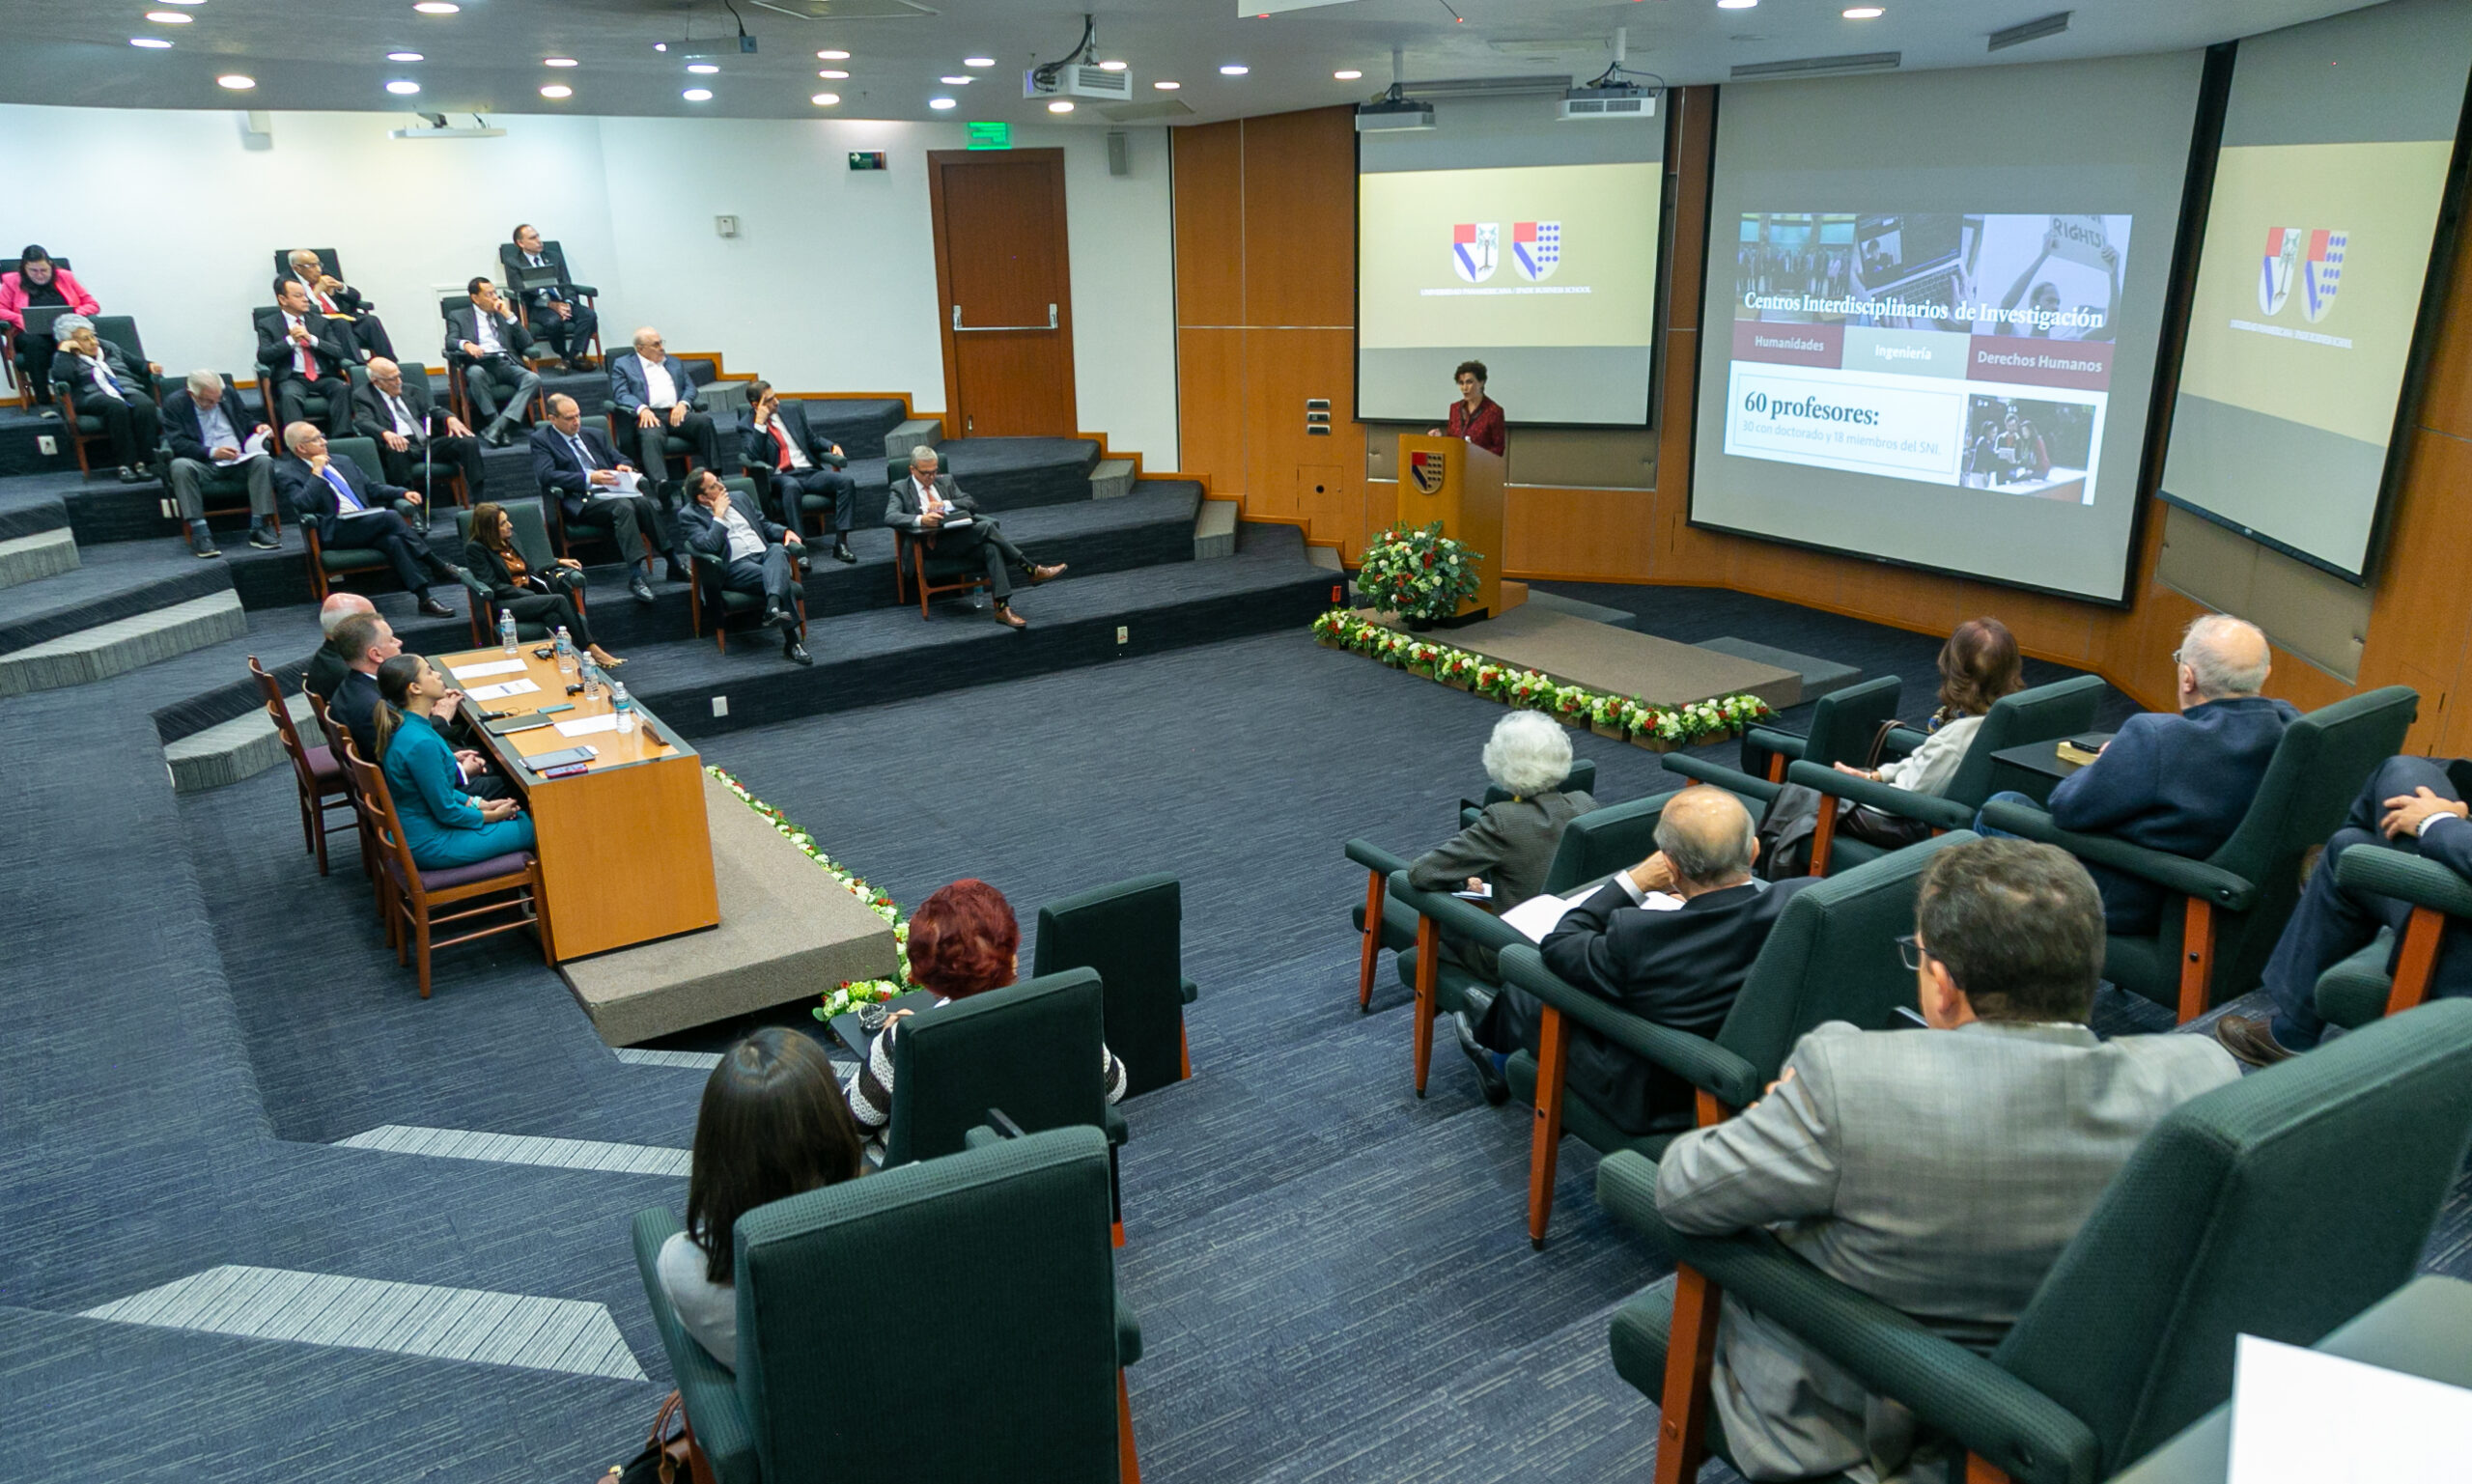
[(994, 134)]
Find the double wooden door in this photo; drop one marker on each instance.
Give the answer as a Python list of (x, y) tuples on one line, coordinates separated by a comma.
[(1004, 282)]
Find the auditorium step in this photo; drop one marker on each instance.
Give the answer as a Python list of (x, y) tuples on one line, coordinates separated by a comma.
[(107, 584), (32, 558), (241, 747), (1112, 479), (122, 644), (1215, 530)]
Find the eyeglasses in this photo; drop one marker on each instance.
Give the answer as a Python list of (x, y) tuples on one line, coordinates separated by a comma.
[(1910, 948)]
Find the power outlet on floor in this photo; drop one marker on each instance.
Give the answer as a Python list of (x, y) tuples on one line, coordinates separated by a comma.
[(1124, 636), (720, 705), (46, 444)]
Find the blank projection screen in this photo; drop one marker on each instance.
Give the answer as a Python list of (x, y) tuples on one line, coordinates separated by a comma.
[(2337, 143), (1504, 236), (1932, 306)]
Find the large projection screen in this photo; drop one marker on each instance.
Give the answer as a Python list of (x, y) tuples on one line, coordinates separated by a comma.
[(1931, 308), (2337, 141), (1506, 237)]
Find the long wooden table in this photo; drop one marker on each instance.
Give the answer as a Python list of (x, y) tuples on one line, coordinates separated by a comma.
[(626, 850)]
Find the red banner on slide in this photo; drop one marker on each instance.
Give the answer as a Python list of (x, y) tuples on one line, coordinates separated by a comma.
[(1789, 345), (2082, 365)]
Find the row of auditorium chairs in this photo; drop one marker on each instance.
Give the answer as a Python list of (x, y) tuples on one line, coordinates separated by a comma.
[(511, 271)]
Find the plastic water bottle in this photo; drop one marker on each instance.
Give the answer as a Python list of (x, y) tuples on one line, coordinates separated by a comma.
[(623, 708), (566, 652), (506, 630), (592, 681)]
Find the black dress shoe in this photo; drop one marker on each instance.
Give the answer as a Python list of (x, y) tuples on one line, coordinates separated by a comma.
[(129, 476), (773, 616), (2252, 1040), (841, 552), (1496, 1084), (642, 589), (794, 652), (430, 607), (264, 539), (677, 570)]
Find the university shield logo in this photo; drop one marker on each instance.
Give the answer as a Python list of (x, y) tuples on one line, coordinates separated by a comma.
[(1473, 249), (1536, 248), (2322, 273), (2283, 258), (1427, 469)]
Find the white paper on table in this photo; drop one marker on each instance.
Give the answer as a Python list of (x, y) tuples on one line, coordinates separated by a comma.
[(500, 692), (589, 725), (494, 667), (260, 445), (2303, 1416)]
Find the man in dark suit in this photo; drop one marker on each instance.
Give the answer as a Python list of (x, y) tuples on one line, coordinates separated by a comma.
[(367, 641), (206, 426), (754, 553), (98, 380), (1670, 940), (575, 465), (485, 343), (421, 445), (328, 665), (305, 357), (2411, 804), (926, 503), (341, 302), (774, 435), (558, 311), (655, 389), (350, 508), (2180, 783)]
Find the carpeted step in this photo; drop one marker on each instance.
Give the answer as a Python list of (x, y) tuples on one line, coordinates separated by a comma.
[(1112, 479), (1215, 530), (860, 425), (32, 506), (108, 583), (914, 433), (1012, 473), (122, 644), (32, 558), (241, 747)]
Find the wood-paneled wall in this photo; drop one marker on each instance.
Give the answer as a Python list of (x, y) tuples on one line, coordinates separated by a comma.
[(1265, 254)]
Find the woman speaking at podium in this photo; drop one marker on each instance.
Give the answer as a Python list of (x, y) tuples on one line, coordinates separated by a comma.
[(1475, 416)]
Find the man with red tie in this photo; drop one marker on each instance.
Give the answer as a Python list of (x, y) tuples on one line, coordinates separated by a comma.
[(773, 436), (351, 509), (340, 301), (304, 357)]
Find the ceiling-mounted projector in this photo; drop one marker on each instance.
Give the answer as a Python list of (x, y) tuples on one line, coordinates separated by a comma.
[(433, 126), (1393, 115), (1078, 79), (1615, 100)]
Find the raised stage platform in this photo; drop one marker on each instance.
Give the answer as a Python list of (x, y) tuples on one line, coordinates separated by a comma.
[(1580, 650)]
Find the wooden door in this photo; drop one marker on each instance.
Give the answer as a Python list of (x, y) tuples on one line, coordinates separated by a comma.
[(1003, 283)]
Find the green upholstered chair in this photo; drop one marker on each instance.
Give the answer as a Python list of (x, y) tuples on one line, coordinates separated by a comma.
[(1006, 1332), (1842, 725), (327, 563), (2233, 903), (1832, 956), (2385, 978), (1129, 933), (1593, 846), (711, 602), (1581, 779), (2250, 1209), (2037, 713), (532, 543), (224, 489), (120, 331)]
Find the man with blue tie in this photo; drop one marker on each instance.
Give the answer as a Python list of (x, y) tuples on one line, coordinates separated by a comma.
[(558, 310), (575, 465), (351, 509)]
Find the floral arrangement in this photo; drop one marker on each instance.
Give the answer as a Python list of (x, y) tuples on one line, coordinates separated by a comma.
[(1661, 728), (861, 992), (1418, 572)]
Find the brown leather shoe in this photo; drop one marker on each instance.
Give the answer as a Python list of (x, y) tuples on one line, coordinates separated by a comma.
[(2252, 1040), (1005, 615), (1047, 574)]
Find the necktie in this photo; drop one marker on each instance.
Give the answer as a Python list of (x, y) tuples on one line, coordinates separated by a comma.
[(403, 419), (300, 355), (781, 435), (584, 455), (539, 262), (105, 382), (933, 501), (349, 502)]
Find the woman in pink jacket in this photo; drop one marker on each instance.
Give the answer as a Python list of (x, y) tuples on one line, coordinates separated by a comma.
[(38, 283)]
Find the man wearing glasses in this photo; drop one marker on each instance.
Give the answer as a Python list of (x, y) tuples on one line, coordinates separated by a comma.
[(656, 394)]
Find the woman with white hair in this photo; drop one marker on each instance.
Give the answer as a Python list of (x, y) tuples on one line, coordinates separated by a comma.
[(1511, 845)]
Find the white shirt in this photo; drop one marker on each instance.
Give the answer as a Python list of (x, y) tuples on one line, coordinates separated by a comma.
[(781, 431), (99, 372), (214, 427), (406, 424), (303, 360), (485, 332), (1930, 768), (660, 392), (929, 501), (745, 540)]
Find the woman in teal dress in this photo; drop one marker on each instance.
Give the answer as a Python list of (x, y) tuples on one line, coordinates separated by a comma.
[(443, 823)]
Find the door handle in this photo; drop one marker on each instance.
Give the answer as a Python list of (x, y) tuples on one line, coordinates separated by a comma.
[(960, 328)]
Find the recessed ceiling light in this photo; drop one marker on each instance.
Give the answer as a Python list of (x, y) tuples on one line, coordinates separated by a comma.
[(832, 56), (1864, 13), (1112, 65), (1165, 86), (404, 56), (403, 87), (557, 61), (833, 74), (237, 82), (188, 1), (940, 102), (558, 90), (1060, 106), (1348, 75), (698, 95), (703, 68), (978, 61), (1238, 69), (660, 46), (958, 80), (825, 100), (149, 42), (169, 17), (438, 7)]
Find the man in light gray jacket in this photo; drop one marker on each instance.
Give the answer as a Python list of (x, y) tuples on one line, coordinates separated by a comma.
[(1940, 1171)]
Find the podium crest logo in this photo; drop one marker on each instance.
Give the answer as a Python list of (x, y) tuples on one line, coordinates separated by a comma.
[(1474, 248), (2312, 259), (1425, 468), (2322, 273), (1536, 248)]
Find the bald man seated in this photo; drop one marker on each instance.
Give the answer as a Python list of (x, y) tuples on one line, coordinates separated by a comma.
[(327, 666), (339, 301), (653, 391), (420, 445), (2179, 782), (1668, 940)]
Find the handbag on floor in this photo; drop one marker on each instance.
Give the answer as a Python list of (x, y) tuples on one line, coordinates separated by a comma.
[(668, 1457)]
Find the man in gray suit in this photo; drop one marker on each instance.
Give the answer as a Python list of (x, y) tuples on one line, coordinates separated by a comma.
[(935, 512), (1940, 1171)]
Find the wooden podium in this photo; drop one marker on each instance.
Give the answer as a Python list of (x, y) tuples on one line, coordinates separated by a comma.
[(1454, 481)]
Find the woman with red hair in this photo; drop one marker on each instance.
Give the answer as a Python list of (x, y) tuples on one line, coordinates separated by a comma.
[(963, 941)]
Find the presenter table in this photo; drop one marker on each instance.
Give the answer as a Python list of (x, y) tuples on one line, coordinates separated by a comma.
[(626, 852)]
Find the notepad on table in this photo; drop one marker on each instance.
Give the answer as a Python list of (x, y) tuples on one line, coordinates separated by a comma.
[(589, 725), (494, 667), (2303, 1416), (500, 692)]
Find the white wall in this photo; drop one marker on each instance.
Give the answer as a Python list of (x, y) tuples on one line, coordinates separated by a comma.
[(829, 286)]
